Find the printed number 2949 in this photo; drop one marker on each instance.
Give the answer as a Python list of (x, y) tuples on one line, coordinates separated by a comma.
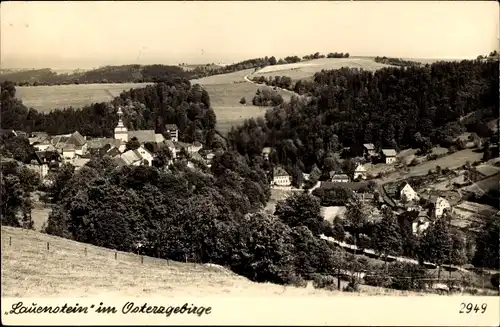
[(469, 307)]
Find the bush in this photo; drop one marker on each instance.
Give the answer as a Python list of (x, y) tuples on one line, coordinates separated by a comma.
[(353, 285), (379, 280), (324, 281)]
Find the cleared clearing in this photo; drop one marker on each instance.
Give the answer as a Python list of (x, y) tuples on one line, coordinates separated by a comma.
[(30, 270), (306, 69), (46, 98), (226, 91)]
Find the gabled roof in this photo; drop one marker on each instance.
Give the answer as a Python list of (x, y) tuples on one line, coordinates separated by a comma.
[(171, 127), (360, 168), (159, 138), (143, 136), (280, 171), (389, 152), (169, 144), (369, 146), (76, 139), (339, 177), (113, 152), (101, 142), (267, 150), (68, 147), (45, 156), (130, 157)]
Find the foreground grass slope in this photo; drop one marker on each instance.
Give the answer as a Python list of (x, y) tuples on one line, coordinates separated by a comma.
[(30, 270)]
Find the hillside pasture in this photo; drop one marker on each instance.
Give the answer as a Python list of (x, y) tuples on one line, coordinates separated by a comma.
[(307, 69), (46, 98), (226, 91), (70, 268)]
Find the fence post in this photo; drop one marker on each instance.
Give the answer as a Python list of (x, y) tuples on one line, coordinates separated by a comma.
[(116, 255), (48, 246), (10, 240), (85, 251), (142, 259)]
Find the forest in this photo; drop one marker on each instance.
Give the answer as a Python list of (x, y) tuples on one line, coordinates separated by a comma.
[(396, 61), (420, 105), (107, 74)]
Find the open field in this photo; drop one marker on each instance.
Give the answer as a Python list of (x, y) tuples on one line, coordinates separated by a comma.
[(46, 98), (30, 270), (451, 161), (225, 92), (306, 69)]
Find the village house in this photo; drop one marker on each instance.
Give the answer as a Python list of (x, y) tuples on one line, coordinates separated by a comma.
[(420, 223), (78, 163), (369, 150), (43, 146), (171, 146), (173, 131), (408, 194), (41, 161), (266, 152), (68, 152), (360, 172), (137, 157), (439, 205), (339, 177), (467, 209), (389, 156), (281, 177)]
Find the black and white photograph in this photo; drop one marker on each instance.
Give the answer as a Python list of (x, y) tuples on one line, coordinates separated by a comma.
[(250, 149)]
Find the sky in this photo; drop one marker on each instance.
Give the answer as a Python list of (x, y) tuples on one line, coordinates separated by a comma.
[(88, 34)]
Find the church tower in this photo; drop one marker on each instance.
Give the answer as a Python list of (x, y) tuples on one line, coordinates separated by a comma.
[(121, 132)]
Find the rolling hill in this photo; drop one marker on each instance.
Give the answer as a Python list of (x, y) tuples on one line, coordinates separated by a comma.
[(71, 268)]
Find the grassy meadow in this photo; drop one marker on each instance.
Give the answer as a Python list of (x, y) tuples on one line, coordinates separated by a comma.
[(225, 92), (46, 98), (307, 69), (70, 268)]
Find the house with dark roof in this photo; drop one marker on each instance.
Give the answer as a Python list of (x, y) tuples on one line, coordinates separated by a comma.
[(42, 160), (369, 149), (389, 156), (281, 177), (266, 151)]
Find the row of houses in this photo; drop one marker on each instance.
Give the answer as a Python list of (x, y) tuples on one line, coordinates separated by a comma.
[(77, 149)]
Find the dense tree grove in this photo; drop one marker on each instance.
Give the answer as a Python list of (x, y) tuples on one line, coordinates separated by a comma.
[(337, 55), (396, 61), (174, 101), (107, 74), (267, 97), (419, 104), (283, 82), (16, 183)]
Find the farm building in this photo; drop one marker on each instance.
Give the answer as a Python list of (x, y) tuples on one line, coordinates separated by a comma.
[(420, 223), (281, 177), (389, 155), (137, 157), (40, 161)]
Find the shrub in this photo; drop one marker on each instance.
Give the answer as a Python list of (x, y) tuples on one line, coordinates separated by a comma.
[(324, 281), (379, 280), (353, 285)]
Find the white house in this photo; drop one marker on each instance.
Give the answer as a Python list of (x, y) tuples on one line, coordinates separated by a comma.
[(408, 193), (440, 205), (389, 155), (421, 223), (68, 152), (173, 131), (360, 172), (145, 154), (281, 177), (369, 149), (339, 178)]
